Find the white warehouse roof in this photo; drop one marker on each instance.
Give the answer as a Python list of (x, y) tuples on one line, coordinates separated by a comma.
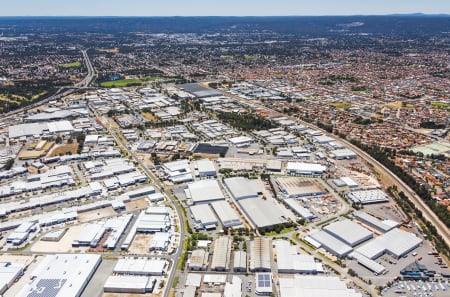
[(290, 261), (227, 216), (205, 191), (349, 232), (305, 168), (331, 243), (315, 286), (241, 187)]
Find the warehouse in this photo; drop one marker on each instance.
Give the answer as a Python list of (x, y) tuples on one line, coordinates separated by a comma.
[(371, 221), (37, 129), (150, 222), (260, 251), (143, 266), (61, 275), (160, 241), (178, 171), (129, 284), (295, 205), (206, 168), (199, 91), (21, 233), (343, 154), (240, 261), (233, 289), (221, 256), (368, 263), (9, 273), (117, 227), (305, 285), (349, 182), (90, 235), (227, 216), (241, 187), (349, 232), (204, 217), (294, 187), (290, 261), (241, 141), (368, 196), (322, 139), (263, 213), (396, 242), (205, 191), (198, 260), (300, 168), (331, 243)]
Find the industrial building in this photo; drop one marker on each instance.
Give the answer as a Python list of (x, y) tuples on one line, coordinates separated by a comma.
[(333, 245), (198, 260), (206, 168), (342, 154), (300, 168), (295, 205), (178, 171), (38, 129), (22, 233), (367, 196), (221, 255), (241, 187), (290, 261), (368, 263), (395, 242), (294, 187), (306, 285), (129, 284), (373, 222), (233, 289), (349, 232), (9, 273), (204, 217), (205, 191), (241, 141), (142, 266), (61, 275), (227, 216), (264, 212), (160, 241), (240, 261), (260, 252)]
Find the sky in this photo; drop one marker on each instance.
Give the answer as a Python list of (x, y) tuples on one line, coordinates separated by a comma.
[(218, 7)]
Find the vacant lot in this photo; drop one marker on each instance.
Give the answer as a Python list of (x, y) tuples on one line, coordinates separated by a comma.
[(136, 204), (64, 245), (96, 214), (71, 65), (140, 244), (64, 149)]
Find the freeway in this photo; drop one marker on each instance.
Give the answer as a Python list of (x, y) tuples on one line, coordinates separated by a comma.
[(158, 185), (63, 91)]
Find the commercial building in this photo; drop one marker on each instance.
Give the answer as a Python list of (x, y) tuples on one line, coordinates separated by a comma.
[(61, 275), (178, 171), (142, 266), (290, 261), (221, 255), (260, 252), (396, 242), (129, 284), (305, 285), (205, 191), (263, 283), (342, 154), (300, 168), (349, 232)]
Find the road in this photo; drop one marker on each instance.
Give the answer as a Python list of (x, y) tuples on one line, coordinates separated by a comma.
[(63, 91), (159, 186)]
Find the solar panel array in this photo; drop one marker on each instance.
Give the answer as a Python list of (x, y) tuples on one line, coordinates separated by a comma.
[(47, 288), (264, 280)]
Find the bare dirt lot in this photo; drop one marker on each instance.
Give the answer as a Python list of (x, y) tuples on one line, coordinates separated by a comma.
[(140, 244), (61, 246), (96, 214), (136, 204)]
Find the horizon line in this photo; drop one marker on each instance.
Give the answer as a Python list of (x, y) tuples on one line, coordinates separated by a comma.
[(237, 16)]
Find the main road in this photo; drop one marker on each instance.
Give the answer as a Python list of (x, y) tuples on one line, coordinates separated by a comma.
[(157, 184)]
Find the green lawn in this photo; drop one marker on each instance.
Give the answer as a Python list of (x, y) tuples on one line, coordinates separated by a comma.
[(440, 104), (71, 65), (121, 83)]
